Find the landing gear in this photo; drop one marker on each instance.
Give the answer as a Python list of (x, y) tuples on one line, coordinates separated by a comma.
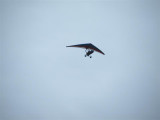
[(90, 56), (85, 56)]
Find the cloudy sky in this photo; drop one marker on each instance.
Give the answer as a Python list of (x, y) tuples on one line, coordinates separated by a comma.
[(41, 79)]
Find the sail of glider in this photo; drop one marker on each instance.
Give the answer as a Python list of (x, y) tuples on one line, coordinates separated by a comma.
[(87, 46)]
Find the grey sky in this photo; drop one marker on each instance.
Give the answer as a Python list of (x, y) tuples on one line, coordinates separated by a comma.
[(41, 79)]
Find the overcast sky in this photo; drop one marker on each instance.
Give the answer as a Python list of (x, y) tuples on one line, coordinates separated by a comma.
[(41, 79)]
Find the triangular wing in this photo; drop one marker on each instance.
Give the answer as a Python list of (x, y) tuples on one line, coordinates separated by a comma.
[(87, 46)]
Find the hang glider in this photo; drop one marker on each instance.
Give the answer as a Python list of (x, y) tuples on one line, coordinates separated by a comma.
[(90, 48)]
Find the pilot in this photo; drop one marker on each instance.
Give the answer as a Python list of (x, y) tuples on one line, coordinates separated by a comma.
[(90, 52)]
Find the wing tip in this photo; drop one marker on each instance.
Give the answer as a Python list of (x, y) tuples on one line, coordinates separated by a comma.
[(102, 53), (69, 46)]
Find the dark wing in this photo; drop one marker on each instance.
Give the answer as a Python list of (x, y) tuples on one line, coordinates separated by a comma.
[(87, 46)]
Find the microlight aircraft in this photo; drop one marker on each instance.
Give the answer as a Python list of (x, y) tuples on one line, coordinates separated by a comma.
[(90, 48)]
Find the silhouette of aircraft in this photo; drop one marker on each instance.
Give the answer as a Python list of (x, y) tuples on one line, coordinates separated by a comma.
[(90, 48)]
